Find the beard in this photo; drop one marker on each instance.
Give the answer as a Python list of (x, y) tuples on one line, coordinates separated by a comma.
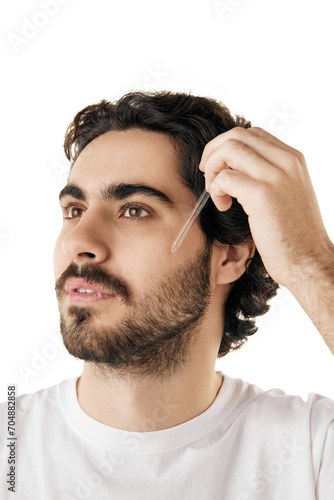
[(155, 333)]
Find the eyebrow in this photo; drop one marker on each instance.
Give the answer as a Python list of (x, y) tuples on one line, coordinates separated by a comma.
[(117, 192)]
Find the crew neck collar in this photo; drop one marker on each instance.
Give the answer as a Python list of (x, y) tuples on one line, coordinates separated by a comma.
[(146, 442)]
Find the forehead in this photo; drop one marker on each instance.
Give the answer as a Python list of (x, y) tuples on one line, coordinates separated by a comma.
[(128, 156)]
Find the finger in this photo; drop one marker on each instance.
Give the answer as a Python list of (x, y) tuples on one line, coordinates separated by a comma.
[(230, 183), (237, 156), (269, 147), (260, 132)]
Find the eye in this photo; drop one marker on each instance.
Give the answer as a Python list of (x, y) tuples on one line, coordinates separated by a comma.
[(135, 212), (73, 212)]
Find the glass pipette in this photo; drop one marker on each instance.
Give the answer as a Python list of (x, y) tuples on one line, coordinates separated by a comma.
[(192, 217)]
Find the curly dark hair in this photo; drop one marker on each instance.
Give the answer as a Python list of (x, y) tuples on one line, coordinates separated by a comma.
[(190, 122)]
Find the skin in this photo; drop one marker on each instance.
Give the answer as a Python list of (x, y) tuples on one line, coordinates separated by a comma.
[(139, 253), (271, 182)]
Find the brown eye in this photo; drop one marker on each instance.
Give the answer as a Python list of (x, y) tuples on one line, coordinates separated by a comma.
[(135, 212), (74, 212)]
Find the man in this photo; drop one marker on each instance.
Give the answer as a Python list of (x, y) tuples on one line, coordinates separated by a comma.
[(150, 417)]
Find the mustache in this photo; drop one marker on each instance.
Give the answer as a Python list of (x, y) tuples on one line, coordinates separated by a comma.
[(94, 274)]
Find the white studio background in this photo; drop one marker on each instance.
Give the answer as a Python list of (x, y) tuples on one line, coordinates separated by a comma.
[(270, 61)]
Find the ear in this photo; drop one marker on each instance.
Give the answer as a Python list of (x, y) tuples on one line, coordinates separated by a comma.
[(229, 262)]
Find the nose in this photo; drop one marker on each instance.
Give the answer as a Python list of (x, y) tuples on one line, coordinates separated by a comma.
[(86, 242)]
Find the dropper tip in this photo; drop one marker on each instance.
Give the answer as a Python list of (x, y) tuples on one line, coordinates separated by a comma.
[(174, 247)]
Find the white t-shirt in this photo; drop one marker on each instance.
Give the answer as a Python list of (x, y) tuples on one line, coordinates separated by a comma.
[(249, 444)]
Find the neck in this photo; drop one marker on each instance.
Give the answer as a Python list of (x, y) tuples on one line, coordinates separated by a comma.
[(151, 403), (143, 405)]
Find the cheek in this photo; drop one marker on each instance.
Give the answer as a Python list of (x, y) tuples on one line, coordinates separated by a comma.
[(142, 267)]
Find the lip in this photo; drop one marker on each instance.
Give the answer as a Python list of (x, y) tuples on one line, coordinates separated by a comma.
[(85, 298)]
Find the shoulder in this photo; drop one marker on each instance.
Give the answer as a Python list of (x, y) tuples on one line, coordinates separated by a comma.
[(285, 433), (274, 407), (36, 406), (25, 401)]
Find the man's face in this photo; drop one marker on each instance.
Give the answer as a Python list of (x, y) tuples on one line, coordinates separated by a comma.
[(146, 303)]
